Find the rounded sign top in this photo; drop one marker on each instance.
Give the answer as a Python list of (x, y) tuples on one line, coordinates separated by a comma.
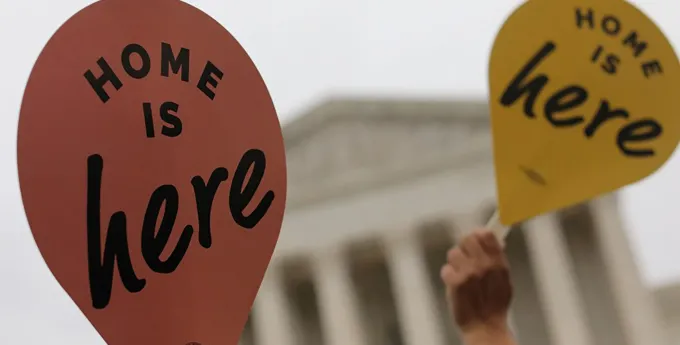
[(582, 103), (152, 170)]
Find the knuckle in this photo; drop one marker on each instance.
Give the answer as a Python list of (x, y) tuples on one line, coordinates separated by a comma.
[(451, 254), (467, 239), (457, 254), (488, 236)]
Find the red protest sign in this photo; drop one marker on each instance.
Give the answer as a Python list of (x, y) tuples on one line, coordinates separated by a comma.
[(152, 171)]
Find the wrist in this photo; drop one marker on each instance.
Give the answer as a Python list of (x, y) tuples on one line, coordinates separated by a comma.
[(498, 334)]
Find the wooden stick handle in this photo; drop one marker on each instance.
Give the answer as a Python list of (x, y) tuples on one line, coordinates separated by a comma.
[(500, 230)]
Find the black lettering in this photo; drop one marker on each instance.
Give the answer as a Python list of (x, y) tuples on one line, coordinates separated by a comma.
[(597, 53), (148, 120), (205, 194), (108, 76), (566, 99), (143, 71), (652, 67), (604, 114), (517, 87), (116, 246), (169, 61), (240, 195), (209, 71), (153, 243), (580, 18), (632, 41), (611, 25), (610, 64), (168, 115), (637, 131)]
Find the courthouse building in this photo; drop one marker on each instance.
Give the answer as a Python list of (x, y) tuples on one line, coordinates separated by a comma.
[(380, 189)]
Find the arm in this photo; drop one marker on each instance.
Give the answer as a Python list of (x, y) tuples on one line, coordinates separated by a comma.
[(489, 337), (479, 291)]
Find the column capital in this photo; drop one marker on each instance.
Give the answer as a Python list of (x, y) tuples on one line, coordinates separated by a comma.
[(322, 254), (461, 224), (464, 224), (399, 235)]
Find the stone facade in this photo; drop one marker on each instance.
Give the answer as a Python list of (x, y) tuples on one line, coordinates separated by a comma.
[(380, 189)]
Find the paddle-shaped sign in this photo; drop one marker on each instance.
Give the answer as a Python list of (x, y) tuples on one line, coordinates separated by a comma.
[(152, 171), (583, 101)]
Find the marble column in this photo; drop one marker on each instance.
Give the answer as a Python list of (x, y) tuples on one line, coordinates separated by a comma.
[(272, 317), (561, 301), (337, 299), (414, 296), (641, 318)]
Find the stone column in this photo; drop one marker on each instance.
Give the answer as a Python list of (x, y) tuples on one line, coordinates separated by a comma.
[(337, 299), (414, 296), (272, 317), (642, 322), (556, 282)]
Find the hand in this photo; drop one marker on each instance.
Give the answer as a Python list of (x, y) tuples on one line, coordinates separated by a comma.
[(478, 287)]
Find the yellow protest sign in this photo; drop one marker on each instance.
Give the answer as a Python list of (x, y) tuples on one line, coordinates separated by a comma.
[(583, 101)]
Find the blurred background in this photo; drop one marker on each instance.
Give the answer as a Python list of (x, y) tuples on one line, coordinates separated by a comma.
[(385, 118), (381, 189)]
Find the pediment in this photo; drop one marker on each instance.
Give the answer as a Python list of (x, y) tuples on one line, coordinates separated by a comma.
[(349, 144)]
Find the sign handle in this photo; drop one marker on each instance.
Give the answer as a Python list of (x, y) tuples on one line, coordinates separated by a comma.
[(498, 229)]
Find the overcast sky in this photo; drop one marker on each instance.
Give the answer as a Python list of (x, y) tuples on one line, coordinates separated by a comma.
[(306, 50)]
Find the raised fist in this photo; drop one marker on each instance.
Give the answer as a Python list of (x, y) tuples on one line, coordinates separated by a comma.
[(477, 279)]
